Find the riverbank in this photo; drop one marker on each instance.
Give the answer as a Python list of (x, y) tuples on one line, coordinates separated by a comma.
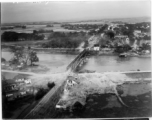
[(72, 51), (117, 54), (58, 50), (75, 51)]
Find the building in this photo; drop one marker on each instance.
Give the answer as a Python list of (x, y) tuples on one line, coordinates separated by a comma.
[(96, 47), (122, 39), (145, 42), (16, 88)]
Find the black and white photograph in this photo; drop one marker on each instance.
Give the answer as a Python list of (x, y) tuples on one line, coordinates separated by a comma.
[(76, 60)]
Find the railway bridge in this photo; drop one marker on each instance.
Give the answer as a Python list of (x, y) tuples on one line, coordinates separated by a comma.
[(78, 61)]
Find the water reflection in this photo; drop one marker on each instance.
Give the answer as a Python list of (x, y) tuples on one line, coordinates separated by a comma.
[(114, 63), (120, 59)]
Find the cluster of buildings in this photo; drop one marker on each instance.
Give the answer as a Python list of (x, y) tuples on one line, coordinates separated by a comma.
[(140, 34), (19, 86), (121, 41), (81, 26)]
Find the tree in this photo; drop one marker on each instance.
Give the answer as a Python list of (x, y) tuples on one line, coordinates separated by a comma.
[(22, 55), (110, 34), (103, 28), (19, 54), (3, 60), (33, 57), (9, 36), (122, 48), (146, 46), (41, 92), (50, 85)]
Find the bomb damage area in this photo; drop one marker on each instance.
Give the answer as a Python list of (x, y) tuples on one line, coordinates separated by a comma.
[(89, 95)]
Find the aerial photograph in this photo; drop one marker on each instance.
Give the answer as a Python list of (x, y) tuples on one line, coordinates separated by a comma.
[(76, 60)]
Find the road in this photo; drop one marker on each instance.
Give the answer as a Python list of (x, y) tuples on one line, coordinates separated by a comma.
[(31, 73), (19, 72)]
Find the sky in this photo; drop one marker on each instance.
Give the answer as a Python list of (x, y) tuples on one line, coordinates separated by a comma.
[(73, 10)]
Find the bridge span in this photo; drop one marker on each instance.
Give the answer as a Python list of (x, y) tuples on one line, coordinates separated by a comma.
[(78, 61)]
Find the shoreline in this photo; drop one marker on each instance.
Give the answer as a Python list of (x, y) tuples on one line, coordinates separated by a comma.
[(115, 54), (73, 51)]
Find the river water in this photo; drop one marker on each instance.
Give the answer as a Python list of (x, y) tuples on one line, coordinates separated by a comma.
[(59, 62), (55, 63), (114, 63)]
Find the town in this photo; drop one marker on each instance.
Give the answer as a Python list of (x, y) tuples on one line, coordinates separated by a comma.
[(76, 69)]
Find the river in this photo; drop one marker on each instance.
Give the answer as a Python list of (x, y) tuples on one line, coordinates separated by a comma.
[(59, 62), (114, 63)]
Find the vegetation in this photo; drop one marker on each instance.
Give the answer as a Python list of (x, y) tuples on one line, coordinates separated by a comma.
[(110, 34), (6, 28), (62, 43), (21, 55), (20, 26), (42, 31), (49, 25), (123, 48), (10, 36), (80, 26), (103, 28), (32, 56), (41, 92), (3, 60), (128, 29), (50, 85), (65, 40), (146, 46)]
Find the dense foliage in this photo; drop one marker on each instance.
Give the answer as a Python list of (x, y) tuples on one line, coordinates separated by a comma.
[(146, 47), (110, 34), (49, 25), (3, 60), (41, 92), (42, 31), (11, 36), (81, 26), (32, 56), (21, 55), (123, 48), (65, 40), (50, 85)]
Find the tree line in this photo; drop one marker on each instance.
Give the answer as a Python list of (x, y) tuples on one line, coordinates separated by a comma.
[(10, 36), (65, 40)]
